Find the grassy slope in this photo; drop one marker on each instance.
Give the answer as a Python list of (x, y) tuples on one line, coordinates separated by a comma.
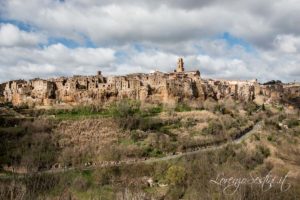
[(274, 150)]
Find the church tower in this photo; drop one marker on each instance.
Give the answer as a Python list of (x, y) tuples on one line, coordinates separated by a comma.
[(180, 65)]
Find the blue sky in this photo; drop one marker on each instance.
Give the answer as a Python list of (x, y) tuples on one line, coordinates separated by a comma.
[(232, 40), (21, 25)]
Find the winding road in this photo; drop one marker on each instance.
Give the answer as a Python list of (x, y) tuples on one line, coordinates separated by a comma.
[(243, 137), (257, 127)]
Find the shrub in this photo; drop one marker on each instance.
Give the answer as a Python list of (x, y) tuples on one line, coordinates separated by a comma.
[(209, 104), (152, 111), (263, 107), (176, 175), (38, 125), (229, 122), (221, 109), (292, 123), (272, 124), (264, 151), (182, 107), (111, 153), (270, 138), (230, 104), (214, 128), (251, 160), (257, 138), (226, 153), (86, 109), (150, 124), (190, 122), (22, 106), (137, 135), (80, 184), (103, 176), (281, 117), (250, 107), (125, 108), (126, 113), (37, 184), (130, 122)]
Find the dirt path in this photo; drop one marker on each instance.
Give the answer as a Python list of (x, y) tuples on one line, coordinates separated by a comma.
[(255, 128), (243, 137)]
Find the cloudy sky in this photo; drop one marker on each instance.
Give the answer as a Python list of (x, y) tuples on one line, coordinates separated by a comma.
[(230, 39)]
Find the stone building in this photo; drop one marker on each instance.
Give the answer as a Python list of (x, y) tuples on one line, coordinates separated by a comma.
[(180, 65), (157, 87)]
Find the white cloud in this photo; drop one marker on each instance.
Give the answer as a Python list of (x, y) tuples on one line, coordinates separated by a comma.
[(55, 60), (288, 43), (11, 35), (164, 29), (58, 60), (114, 22)]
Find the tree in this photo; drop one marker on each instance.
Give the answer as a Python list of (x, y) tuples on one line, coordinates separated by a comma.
[(176, 175)]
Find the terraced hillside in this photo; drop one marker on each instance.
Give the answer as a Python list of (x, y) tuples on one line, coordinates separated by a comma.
[(134, 150)]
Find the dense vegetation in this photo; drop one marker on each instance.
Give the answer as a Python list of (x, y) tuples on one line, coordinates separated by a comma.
[(76, 137)]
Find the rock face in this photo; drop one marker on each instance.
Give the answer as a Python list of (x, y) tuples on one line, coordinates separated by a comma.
[(2, 87), (155, 87), (33, 92)]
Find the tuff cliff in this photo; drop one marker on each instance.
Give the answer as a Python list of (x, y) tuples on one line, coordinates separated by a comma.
[(2, 87), (156, 87)]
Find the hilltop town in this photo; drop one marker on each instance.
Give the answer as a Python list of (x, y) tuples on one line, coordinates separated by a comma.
[(159, 134), (156, 87)]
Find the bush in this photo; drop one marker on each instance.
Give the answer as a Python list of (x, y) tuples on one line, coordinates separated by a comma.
[(111, 153), (137, 135), (22, 106), (152, 111), (272, 124), (86, 109), (256, 137), (250, 107), (251, 160), (226, 153), (292, 123), (176, 175), (103, 176), (214, 128), (209, 104), (182, 107), (152, 152), (264, 151), (38, 125), (221, 109), (125, 108), (37, 184), (80, 184), (270, 138), (130, 122), (126, 113), (150, 124)]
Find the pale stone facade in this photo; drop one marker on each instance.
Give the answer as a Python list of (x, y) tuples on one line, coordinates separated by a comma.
[(180, 65), (155, 87)]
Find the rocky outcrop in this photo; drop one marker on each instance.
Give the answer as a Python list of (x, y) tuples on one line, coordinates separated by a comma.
[(33, 92), (2, 87), (155, 87)]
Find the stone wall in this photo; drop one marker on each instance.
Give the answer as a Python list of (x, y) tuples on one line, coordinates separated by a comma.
[(2, 87), (155, 87)]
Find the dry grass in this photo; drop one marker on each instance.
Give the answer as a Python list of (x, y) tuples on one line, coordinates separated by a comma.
[(86, 138), (201, 116)]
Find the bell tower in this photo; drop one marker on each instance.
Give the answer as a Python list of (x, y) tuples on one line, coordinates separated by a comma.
[(180, 65)]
